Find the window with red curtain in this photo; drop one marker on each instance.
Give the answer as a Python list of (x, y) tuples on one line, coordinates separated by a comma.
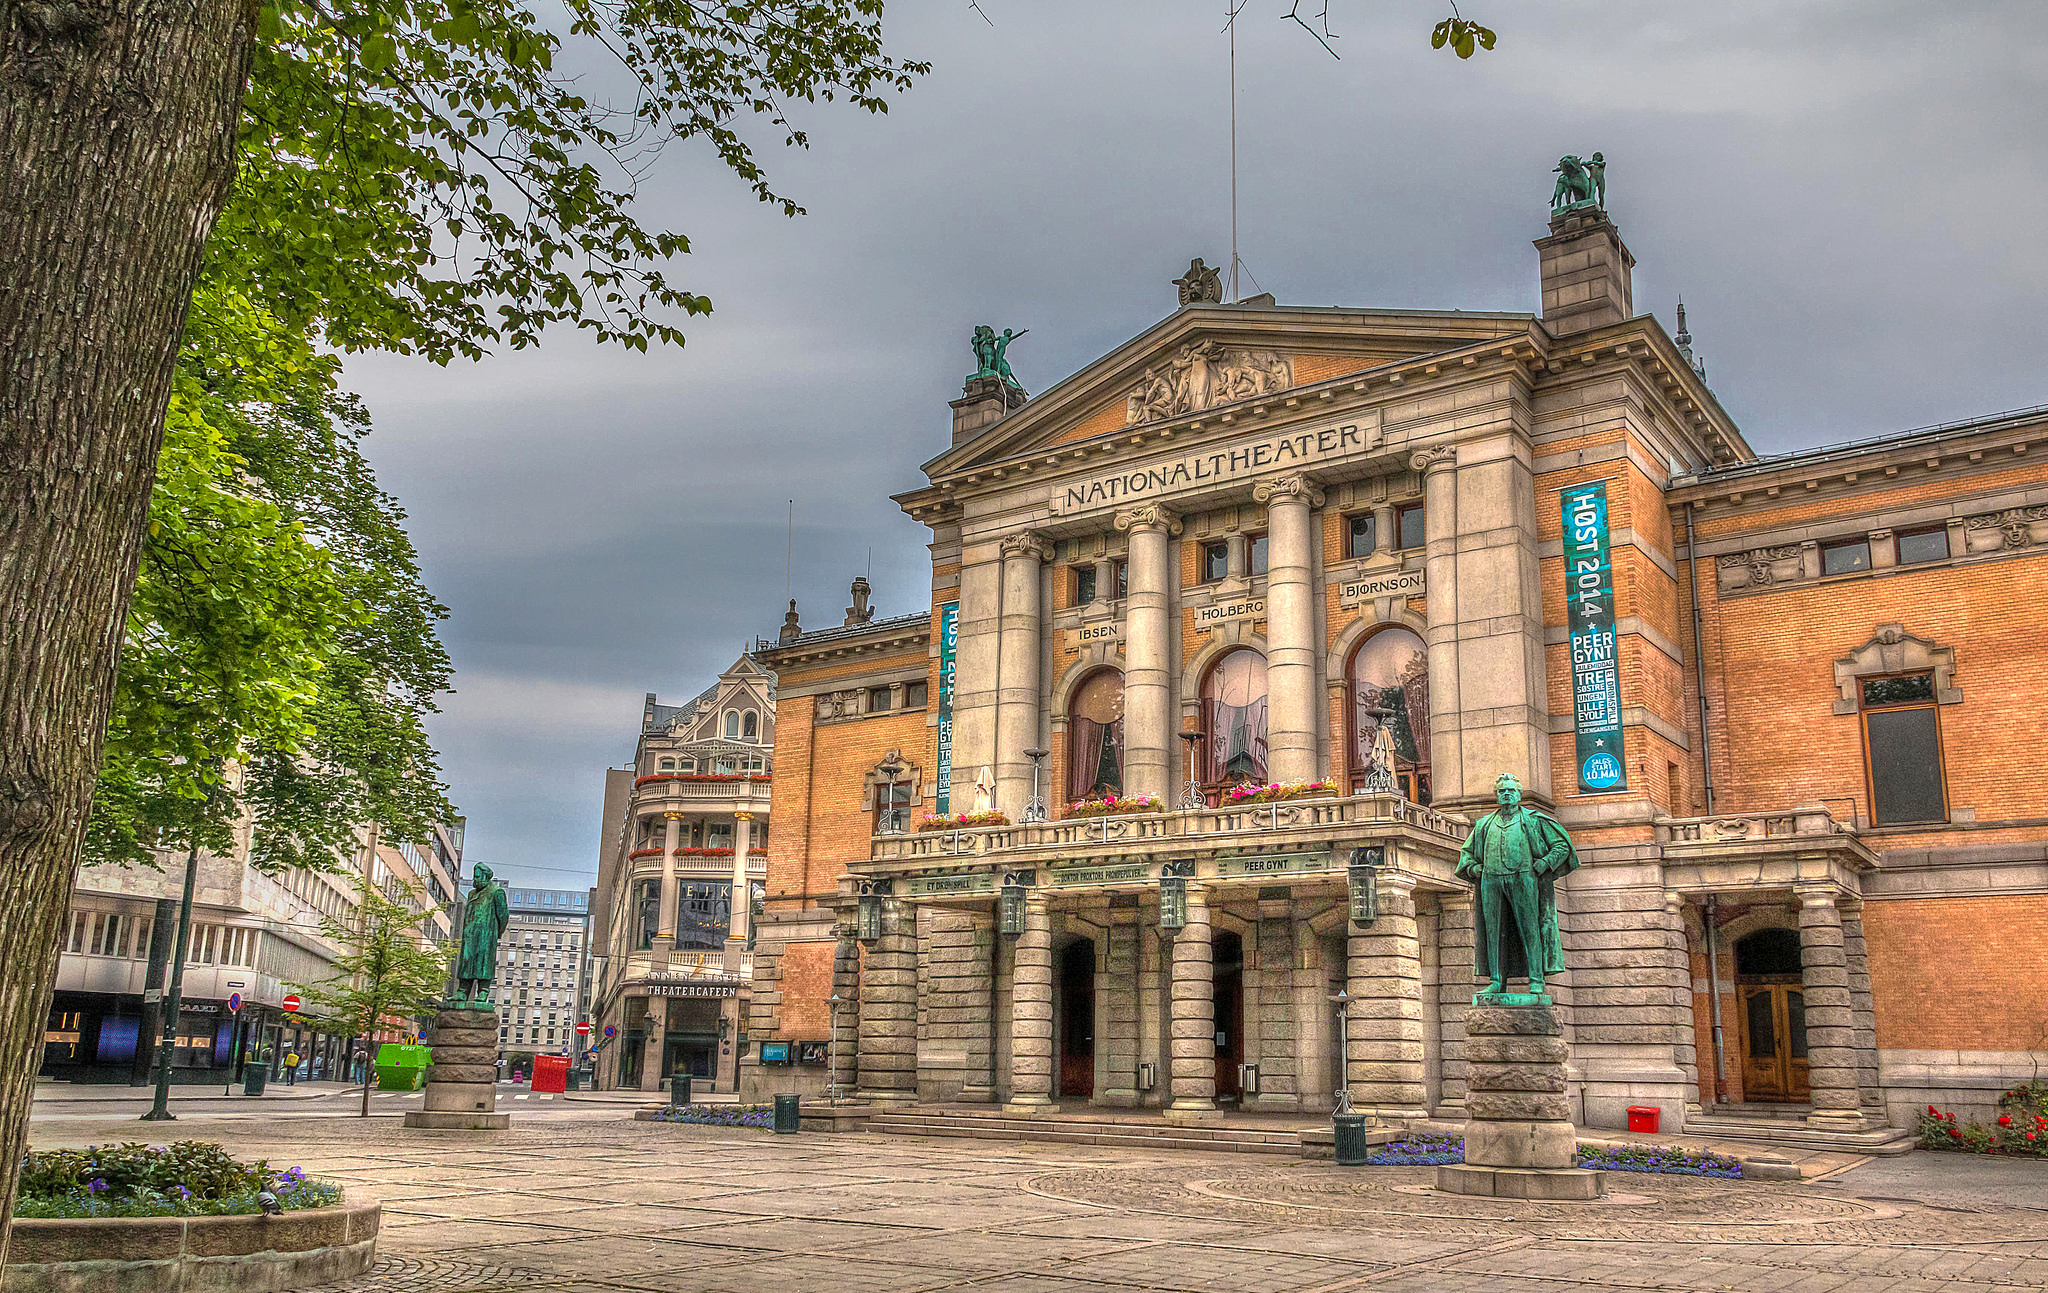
[(1234, 716), (1389, 679), (1095, 738)]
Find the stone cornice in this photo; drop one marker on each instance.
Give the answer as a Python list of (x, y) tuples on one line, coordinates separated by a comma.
[(878, 640)]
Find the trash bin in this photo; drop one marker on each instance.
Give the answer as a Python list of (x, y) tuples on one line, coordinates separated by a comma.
[(679, 1089), (254, 1075), (573, 1081), (1642, 1117), (1352, 1145), (787, 1118)]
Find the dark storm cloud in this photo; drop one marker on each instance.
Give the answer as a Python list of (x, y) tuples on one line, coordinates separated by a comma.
[(1847, 195)]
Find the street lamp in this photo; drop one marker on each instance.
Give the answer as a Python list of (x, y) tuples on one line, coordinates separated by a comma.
[(1364, 877), (1342, 998), (1191, 789), (1034, 811), (1173, 895)]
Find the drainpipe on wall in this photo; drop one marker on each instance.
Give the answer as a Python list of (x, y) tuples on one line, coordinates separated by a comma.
[(1714, 997), (1699, 664)]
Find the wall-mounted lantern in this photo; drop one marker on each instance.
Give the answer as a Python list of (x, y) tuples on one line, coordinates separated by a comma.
[(1365, 883), (868, 925), (1173, 894), (1011, 899)]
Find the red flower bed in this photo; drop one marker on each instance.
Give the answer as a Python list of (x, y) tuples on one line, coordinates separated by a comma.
[(713, 853), (637, 854)]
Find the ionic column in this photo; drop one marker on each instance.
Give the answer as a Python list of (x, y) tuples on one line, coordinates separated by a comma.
[(665, 920), (1031, 1009), (1019, 631), (1148, 639), (1862, 1012), (1383, 974), (1830, 1025), (654, 1048), (845, 1048), (888, 1011), (742, 892), (1192, 1009), (1290, 627)]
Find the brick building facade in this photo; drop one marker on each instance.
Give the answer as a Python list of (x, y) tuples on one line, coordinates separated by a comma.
[(1401, 552)]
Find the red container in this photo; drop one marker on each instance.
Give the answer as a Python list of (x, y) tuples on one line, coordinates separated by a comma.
[(1641, 1117), (551, 1073)]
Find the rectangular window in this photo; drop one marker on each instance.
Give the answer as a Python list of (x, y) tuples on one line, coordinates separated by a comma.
[(1902, 741), (1845, 558), (915, 694), (1255, 554), (1359, 535), (1214, 563), (878, 700), (892, 807), (145, 929), (1122, 569), (76, 942), (1084, 585), (1408, 524), (1916, 546)]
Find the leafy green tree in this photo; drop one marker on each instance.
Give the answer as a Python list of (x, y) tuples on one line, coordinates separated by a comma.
[(390, 975)]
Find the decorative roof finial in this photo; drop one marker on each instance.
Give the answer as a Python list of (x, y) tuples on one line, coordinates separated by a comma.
[(1200, 285), (791, 630), (1684, 340), (860, 612)]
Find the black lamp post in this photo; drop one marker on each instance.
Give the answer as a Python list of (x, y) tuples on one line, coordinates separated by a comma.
[(1191, 795), (1365, 883), (1034, 810)]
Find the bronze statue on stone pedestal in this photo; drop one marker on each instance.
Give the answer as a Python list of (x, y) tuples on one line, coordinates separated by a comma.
[(1514, 858)]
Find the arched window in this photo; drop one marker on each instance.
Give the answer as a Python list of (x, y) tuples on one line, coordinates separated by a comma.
[(750, 727), (668, 765), (1389, 685), (1095, 737), (732, 725), (1234, 716)]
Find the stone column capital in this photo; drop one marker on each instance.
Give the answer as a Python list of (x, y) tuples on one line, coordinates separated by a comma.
[(1296, 488), (1149, 516), (1815, 895), (743, 816), (1027, 543), (1441, 458)]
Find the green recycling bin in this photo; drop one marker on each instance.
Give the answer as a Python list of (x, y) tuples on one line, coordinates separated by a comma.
[(254, 1074), (679, 1089), (787, 1117), (402, 1067), (1352, 1143)]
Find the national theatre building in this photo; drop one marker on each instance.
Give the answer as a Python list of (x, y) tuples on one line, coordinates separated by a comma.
[(1231, 634)]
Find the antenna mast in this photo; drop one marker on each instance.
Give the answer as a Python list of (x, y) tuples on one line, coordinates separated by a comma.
[(789, 552), (1231, 26)]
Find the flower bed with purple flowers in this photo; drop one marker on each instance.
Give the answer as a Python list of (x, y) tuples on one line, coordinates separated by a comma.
[(191, 1178), (719, 1115), (1424, 1150)]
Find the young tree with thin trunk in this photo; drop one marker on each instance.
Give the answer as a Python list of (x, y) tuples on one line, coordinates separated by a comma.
[(389, 977)]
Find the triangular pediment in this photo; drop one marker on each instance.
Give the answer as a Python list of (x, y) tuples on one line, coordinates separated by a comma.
[(1205, 357)]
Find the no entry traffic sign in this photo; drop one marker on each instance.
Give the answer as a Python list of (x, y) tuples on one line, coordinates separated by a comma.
[(583, 1028), (291, 1003)]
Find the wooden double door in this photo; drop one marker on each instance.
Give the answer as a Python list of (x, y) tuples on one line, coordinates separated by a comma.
[(1773, 1041)]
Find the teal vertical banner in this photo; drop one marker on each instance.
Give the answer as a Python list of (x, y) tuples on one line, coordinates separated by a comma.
[(1589, 613), (949, 638)]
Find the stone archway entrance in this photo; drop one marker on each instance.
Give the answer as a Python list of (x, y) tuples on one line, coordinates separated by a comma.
[(1076, 1020), (1772, 1014)]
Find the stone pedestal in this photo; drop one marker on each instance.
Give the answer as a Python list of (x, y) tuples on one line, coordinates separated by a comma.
[(462, 1084), (1519, 1139)]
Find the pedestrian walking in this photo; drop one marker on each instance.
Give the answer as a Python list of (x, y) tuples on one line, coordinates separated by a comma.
[(291, 1068), (356, 1063)]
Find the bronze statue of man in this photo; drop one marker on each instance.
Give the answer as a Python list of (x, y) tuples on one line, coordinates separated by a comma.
[(484, 918), (1514, 858)]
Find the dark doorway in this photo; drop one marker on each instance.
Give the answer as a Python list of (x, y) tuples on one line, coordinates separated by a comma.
[(1077, 1019), (1773, 1021), (1228, 951)]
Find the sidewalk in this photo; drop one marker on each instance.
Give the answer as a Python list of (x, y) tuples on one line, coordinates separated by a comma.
[(49, 1091)]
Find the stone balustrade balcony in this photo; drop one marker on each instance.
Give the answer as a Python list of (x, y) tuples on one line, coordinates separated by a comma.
[(702, 792), (1778, 849)]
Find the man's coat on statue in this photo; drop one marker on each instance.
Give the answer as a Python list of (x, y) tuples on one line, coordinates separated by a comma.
[(1544, 836)]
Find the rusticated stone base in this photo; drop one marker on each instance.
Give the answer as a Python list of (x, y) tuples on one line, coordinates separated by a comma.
[(433, 1121), (1566, 1185), (462, 1088)]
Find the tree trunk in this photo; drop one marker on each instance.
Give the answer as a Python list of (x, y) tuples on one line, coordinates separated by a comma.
[(117, 132)]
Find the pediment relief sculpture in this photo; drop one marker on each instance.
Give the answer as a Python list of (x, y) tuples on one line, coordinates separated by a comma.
[(1204, 374), (1760, 567)]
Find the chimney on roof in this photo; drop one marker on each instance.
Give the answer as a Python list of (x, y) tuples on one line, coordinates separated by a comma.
[(791, 630), (860, 612)]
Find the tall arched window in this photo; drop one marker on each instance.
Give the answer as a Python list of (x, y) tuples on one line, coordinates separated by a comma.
[(1095, 737), (750, 726), (1234, 716), (732, 725), (1389, 684)]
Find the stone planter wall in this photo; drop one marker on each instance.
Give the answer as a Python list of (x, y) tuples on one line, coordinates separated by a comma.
[(242, 1254)]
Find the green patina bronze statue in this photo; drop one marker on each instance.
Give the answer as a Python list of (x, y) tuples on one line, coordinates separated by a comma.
[(484, 918), (1579, 184), (1514, 858), (989, 360)]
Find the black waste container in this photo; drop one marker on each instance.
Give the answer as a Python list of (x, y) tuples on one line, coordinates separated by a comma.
[(1352, 1146), (679, 1089), (787, 1118), (253, 1077)]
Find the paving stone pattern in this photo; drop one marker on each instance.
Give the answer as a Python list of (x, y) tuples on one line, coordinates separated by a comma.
[(621, 1207)]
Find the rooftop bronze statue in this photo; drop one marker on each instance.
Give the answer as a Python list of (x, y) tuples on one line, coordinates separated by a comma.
[(989, 360), (1514, 858), (1579, 183), (484, 918)]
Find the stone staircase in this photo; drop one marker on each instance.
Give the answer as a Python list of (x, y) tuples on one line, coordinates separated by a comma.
[(1785, 1126), (1129, 1132)]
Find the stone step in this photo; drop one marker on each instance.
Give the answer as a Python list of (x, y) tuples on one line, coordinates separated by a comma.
[(1088, 1131), (1883, 1142)]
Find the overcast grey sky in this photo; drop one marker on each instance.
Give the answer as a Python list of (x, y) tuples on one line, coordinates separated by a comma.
[(1849, 196)]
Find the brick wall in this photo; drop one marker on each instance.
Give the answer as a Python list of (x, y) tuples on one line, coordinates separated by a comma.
[(1959, 973)]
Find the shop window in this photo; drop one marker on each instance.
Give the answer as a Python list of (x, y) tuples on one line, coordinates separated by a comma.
[(1902, 745), (1095, 737), (1255, 554), (1234, 717), (1408, 526), (1389, 684), (1214, 563), (916, 695), (1845, 558), (1082, 582), (1916, 546), (1360, 533), (878, 700), (648, 904)]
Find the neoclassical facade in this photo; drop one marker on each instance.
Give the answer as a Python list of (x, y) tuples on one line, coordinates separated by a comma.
[(1304, 582)]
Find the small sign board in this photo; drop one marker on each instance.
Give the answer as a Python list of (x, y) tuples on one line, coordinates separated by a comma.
[(1395, 583), (291, 1002), (583, 1028), (950, 886), (611, 1030), (234, 1002), (1235, 608)]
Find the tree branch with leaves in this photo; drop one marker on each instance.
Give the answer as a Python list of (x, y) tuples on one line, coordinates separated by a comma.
[(388, 977)]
